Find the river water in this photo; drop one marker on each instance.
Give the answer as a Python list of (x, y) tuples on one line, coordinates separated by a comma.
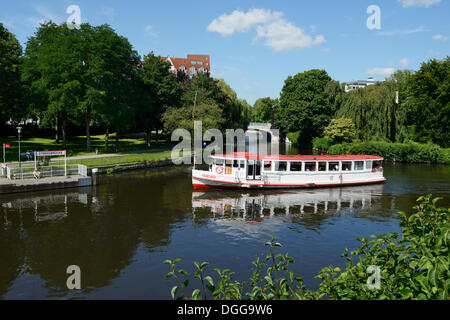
[(120, 232)]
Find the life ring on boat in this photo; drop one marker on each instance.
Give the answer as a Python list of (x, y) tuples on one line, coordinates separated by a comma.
[(219, 170)]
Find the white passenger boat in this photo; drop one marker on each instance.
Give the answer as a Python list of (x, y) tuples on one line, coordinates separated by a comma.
[(247, 170)]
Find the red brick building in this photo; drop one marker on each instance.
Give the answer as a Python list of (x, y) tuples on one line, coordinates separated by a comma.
[(192, 65)]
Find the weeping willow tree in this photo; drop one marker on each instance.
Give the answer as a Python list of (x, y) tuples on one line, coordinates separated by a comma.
[(375, 111)]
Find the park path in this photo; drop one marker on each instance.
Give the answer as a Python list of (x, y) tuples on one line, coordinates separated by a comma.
[(94, 156)]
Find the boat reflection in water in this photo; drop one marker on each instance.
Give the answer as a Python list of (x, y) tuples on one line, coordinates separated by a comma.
[(255, 207)]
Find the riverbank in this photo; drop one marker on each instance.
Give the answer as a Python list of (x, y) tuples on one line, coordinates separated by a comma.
[(76, 146), (411, 152), (27, 185)]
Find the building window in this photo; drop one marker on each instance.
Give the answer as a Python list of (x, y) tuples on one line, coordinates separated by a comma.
[(193, 62), (206, 58), (183, 68), (199, 62), (192, 70), (201, 70)]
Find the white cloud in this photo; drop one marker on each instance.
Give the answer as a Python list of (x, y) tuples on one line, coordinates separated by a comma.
[(404, 62), (440, 37), (239, 21), (150, 32), (418, 3), (401, 32), (282, 35), (380, 71), (278, 33), (433, 53), (49, 15), (45, 16)]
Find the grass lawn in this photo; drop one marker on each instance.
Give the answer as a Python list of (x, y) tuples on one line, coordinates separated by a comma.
[(129, 158), (76, 146)]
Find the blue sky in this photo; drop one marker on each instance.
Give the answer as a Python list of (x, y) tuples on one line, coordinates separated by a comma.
[(255, 45)]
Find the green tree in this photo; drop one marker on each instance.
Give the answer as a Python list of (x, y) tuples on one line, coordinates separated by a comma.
[(304, 105), (79, 74), (52, 69), (340, 130), (430, 101), (263, 109), (160, 92), (110, 77), (373, 111), (10, 82), (401, 82), (237, 112), (206, 111)]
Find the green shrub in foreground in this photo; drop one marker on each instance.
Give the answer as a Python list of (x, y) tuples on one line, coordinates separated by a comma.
[(416, 266)]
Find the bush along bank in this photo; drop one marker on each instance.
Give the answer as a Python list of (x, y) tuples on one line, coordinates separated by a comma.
[(412, 266), (411, 152)]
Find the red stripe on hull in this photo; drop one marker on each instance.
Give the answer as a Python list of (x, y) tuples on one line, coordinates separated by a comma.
[(269, 186)]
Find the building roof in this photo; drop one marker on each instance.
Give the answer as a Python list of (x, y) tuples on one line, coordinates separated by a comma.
[(299, 157), (187, 62)]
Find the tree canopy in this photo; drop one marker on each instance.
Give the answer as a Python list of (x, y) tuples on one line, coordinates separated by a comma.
[(10, 83), (430, 102), (304, 105)]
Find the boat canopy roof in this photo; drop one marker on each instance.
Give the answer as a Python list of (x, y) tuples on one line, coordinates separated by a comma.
[(299, 157)]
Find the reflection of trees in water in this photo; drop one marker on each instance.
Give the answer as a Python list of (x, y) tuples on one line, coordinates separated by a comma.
[(101, 244), (97, 228), (308, 207), (11, 252)]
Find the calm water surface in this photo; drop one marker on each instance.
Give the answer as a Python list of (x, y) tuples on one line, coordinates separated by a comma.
[(121, 231)]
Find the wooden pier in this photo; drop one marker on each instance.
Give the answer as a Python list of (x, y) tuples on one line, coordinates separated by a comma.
[(26, 185)]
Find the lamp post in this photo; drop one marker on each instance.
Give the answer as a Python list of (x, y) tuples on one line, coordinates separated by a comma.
[(19, 130)]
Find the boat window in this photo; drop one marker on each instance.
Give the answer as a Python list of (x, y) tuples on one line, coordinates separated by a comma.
[(228, 164), (368, 164), (280, 165), (218, 162), (359, 165), (346, 165), (376, 165), (333, 166), (242, 163), (267, 165), (235, 164), (296, 166), (310, 166), (322, 166)]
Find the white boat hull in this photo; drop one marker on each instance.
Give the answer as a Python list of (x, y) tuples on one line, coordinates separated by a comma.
[(204, 179)]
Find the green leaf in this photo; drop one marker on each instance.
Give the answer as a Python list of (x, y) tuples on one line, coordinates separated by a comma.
[(209, 280), (173, 292), (182, 271), (196, 295)]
